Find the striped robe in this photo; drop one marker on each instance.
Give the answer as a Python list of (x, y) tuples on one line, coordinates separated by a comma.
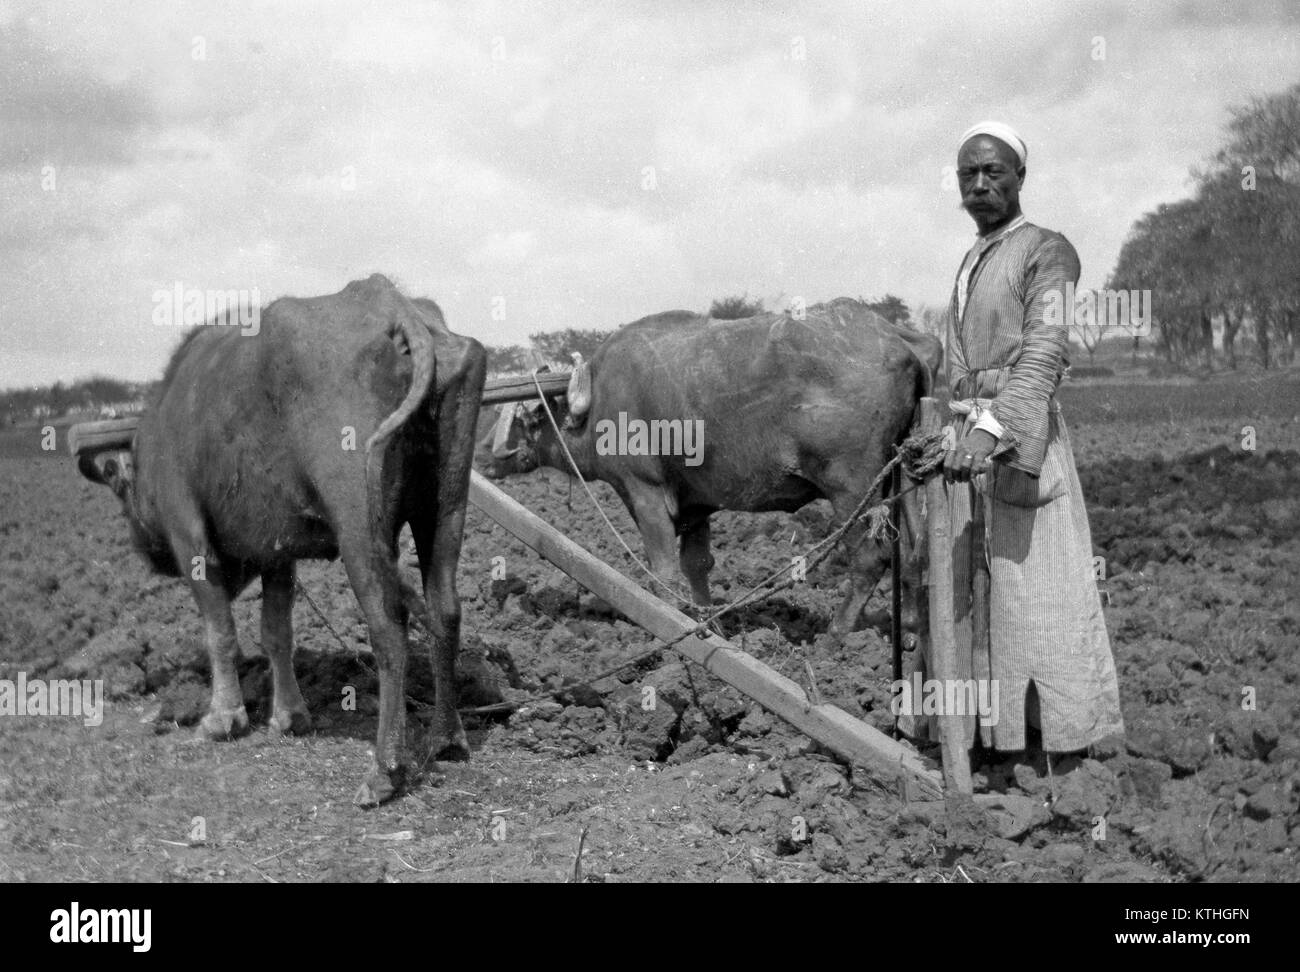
[(1046, 624)]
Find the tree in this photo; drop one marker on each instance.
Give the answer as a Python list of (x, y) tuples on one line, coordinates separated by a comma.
[(1253, 187), (511, 357), (931, 319), (559, 345), (1089, 335), (59, 399), (1249, 276), (891, 308), (101, 390), (1264, 133), (1153, 258), (1233, 249), (734, 308)]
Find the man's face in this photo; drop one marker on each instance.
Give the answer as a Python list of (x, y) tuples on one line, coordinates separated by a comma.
[(989, 175)]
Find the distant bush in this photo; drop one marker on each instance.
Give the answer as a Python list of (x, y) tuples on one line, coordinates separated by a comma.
[(891, 308), (559, 345), (1087, 371), (510, 358), (734, 308)]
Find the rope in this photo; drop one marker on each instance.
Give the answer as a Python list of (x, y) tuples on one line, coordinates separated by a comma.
[(356, 653), (919, 456), (595, 502)]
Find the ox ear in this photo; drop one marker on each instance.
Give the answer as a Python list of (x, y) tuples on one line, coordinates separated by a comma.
[(501, 432), (579, 388)]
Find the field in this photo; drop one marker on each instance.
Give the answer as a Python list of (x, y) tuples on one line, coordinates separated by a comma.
[(1202, 543)]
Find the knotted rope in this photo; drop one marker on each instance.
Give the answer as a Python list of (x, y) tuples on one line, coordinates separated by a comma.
[(919, 455)]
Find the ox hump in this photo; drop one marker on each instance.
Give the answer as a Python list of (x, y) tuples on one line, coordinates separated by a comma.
[(374, 286)]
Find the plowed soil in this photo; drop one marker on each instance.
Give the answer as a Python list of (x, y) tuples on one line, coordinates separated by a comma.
[(1202, 543)]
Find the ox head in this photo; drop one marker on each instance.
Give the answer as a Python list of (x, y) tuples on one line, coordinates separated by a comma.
[(510, 448), (522, 437), (105, 455), (114, 467)]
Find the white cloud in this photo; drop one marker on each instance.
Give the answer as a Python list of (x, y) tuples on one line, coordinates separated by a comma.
[(502, 250), (499, 149)]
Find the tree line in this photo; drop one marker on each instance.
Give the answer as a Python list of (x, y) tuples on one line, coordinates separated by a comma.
[(97, 394), (1230, 253), (555, 347)]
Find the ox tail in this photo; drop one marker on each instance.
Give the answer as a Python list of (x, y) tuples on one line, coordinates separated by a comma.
[(928, 353), (424, 364)]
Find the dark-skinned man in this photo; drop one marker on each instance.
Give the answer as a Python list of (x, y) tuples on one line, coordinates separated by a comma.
[(1015, 498)]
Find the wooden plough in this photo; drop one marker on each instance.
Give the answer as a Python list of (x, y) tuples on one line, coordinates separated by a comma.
[(883, 758)]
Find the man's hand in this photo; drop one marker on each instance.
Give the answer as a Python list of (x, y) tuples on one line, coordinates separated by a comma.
[(970, 457)]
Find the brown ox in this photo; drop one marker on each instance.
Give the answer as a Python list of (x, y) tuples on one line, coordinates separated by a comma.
[(784, 411), (344, 418)]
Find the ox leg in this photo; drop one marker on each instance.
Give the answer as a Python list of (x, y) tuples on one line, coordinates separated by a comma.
[(438, 542), (213, 591), (913, 559), (697, 559), (288, 710), (659, 535), (226, 716), (870, 559), (911, 577), (372, 571)]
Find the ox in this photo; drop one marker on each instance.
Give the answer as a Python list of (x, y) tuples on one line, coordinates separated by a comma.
[(251, 458), (684, 415)]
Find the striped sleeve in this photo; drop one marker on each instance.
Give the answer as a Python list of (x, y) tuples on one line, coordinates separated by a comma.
[(1021, 405), (954, 354)]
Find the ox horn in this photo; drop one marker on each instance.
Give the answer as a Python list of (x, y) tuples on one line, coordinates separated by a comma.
[(87, 466), (580, 387), (501, 431)]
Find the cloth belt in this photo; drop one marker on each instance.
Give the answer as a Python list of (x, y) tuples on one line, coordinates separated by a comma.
[(983, 382), (986, 383), (972, 408)]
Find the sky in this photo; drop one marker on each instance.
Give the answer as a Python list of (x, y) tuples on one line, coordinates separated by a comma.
[(535, 166)]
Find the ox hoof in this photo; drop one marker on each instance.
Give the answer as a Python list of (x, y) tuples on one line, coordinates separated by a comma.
[(378, 787), (291, 723), (838, 629), (453, 748), (226, 724), (452, 752), (845, 623)]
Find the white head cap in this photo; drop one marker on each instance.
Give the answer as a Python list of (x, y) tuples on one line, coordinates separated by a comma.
[(1004, 133)]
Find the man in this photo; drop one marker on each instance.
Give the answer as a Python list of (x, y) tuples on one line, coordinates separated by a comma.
[(1018, 511)]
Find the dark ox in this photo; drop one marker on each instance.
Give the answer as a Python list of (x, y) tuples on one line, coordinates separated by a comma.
[(243, 466), (791, 411)]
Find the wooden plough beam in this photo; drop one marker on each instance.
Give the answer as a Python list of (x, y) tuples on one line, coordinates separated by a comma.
[(859, 743), (883, 758)]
